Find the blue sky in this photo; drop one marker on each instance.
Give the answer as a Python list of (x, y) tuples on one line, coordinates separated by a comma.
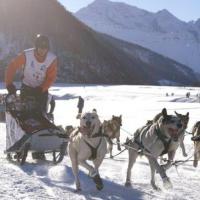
[(183, 9)]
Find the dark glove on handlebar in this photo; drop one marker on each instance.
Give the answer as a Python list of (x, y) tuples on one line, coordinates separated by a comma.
[(11, 89)]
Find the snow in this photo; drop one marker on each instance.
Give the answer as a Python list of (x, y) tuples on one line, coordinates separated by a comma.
[(137, 104)]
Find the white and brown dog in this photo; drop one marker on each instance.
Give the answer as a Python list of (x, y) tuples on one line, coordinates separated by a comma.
[(87, 143), (154, 140)]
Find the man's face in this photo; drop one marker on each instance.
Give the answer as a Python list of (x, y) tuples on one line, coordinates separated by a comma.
[(42, 52)]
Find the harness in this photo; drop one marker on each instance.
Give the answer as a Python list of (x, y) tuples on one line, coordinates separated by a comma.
[(94, 149), (164, 139), (165, 142), (137, 138)]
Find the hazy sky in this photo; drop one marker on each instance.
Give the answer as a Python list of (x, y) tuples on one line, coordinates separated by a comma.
[(183, 9)]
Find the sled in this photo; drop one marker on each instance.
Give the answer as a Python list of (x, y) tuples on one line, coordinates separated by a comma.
[(28, 131)]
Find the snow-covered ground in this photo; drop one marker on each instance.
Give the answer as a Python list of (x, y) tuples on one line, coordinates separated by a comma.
[(137, 104)]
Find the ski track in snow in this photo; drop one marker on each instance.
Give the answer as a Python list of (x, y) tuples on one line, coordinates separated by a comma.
[(43, 180)]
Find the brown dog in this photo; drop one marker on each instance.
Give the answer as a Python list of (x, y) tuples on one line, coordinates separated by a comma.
[(111, 128)]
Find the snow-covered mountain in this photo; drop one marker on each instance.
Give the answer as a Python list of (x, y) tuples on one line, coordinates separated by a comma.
[(161, 32)]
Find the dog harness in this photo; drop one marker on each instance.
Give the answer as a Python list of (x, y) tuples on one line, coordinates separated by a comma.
[(93, 149), (137, 138), (164, 139)]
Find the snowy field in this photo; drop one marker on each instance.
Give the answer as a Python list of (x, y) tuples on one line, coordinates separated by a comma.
[(137, 104)]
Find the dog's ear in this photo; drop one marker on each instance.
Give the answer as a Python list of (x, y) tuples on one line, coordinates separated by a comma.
[(164, 112), (187, 114), (149, 122), (177, 114), (94, 110)]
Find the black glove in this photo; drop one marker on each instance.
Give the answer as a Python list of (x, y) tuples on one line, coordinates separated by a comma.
[(11, 88)]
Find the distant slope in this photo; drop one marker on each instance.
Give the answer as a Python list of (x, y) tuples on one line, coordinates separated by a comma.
[(156, 66)]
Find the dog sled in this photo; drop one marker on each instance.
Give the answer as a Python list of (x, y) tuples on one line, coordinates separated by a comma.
[(28, 131)]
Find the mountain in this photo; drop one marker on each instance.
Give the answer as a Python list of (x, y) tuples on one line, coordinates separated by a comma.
[(161, 32), (154, 65), (85, 56)]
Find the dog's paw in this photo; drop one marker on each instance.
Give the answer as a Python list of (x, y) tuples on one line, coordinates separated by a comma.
[(77, 190), (167, 183), (128, 184), (195, 163), (154, 186), (98, 181), (184, 154)]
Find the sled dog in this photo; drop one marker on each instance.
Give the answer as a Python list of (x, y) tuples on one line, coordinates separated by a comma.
[(184, 119), (196, 139), (111, 128), (154, 140), (87, 143)]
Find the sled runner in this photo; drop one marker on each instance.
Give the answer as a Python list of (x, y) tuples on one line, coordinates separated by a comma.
[(27, 130)]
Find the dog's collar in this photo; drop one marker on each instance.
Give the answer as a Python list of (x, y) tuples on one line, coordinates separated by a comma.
[(98, 134)]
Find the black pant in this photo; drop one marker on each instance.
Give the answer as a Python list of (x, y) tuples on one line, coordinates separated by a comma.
[(40, 97)]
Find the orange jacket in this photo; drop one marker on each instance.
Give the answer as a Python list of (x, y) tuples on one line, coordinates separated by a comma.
[(20, 61)]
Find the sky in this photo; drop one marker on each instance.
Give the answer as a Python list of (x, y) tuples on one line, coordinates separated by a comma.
[(185, 10)]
